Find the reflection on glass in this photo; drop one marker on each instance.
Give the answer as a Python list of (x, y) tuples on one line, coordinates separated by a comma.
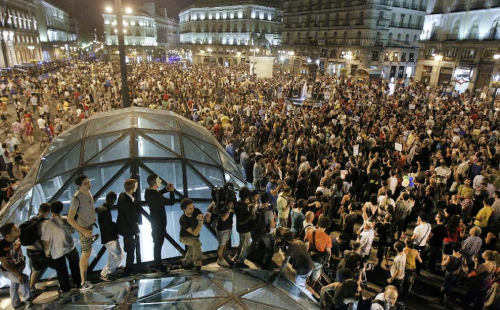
[(231, 305), (193, 287), (191, 151), (96, 144), (118, 151), (270, 295), (197, 188), (197, 304), (146, 148), (167, 139), (100, 175), (235, 281)]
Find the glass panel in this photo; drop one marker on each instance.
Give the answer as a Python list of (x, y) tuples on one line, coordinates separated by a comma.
[(67, 194), (11, 209), (213, 174), (69, 162), (169, 140), (143, 122), (146, 239), (147, 148), (170, 171), (228, 164), (96, 144), (196, 187), (121, 124), (210, 149), (193, 287), (191, 151), (208, 240), (107, 294), (168, 121), (47, 162), (193, 131), (258, 273), (68, 137), (235, 281), (270, 295), (101, 175), (44, 191), (148, 286), (68, 306), (21, 213), (117, 151), (230, 178), (289, 288), (257, 306), (199, 304), (96, 124), (231, 305), (116, 186), (29, 179)]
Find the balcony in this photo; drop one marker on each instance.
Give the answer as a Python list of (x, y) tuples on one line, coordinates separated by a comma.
[(451, 37), (379, 43)]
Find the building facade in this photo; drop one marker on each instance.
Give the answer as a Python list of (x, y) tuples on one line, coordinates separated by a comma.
[(147, 33), (57, 30), (341, 37), (229, 32), (19, 33), (458, 44)]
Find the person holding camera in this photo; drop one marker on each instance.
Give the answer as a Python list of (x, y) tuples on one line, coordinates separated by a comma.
[(244, 222), (224, 229), (263, 230), (191, 222), (12, 265), (158, 217)]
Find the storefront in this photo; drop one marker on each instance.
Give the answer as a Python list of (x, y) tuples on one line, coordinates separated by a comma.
[(445, 75)]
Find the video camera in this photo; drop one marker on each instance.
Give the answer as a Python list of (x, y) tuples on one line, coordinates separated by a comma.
[(222, 196)]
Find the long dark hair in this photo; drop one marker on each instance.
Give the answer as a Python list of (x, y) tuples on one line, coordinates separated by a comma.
[(453, 224), (348, 289)]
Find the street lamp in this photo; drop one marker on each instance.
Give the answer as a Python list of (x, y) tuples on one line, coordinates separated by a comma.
[(121, 49), (496, 56), (292, 54)]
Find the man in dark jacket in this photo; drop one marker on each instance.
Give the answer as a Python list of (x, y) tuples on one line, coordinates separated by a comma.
[(109, 238), (127, 224), (157, 203)]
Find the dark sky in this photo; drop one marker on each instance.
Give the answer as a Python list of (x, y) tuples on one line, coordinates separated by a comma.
[(88, 12)]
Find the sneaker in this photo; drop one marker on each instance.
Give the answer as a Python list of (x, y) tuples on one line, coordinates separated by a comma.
[(87, 286), (223, 263), (241, 265), (105, 278), (229, 260), (22, 304), (36, 292)]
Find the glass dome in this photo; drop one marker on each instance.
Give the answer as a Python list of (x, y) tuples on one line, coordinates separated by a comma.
[(129, 143)]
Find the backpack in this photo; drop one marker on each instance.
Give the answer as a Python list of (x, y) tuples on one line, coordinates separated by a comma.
[(317, 256), (29, 231), (302, 233), (260, 226)]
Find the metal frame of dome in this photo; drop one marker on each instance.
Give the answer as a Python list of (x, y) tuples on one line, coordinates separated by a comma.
[(128, 143)]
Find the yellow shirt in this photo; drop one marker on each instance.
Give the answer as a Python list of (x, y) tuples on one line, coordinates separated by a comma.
[(484, 214)]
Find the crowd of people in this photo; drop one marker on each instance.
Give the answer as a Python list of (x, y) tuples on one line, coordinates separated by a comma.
[(358, 176)]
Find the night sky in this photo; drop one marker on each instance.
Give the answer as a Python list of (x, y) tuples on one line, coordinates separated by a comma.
[(89, 12)]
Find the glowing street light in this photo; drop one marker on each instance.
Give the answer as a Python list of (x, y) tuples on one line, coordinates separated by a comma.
[(438, 57), (109, 9), (128, 10), (496, 56)]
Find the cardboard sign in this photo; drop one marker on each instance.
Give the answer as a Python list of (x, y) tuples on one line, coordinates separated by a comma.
[(398, 147), (355, 150), (412, 107)]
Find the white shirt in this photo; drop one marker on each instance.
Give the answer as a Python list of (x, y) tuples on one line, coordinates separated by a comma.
[(41, 123), (422, 231), (366, 240)]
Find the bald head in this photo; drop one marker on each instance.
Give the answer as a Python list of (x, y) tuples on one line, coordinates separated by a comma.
[(391, 295)]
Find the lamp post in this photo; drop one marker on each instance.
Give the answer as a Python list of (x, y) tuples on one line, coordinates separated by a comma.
[(292, 55), (121, 50)]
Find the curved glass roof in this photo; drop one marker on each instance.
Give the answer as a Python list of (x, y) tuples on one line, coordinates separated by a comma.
[(127, 143)]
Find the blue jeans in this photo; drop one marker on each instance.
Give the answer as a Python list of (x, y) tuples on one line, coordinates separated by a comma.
[(244, 246), (300, 283), (115, 257), (15, 287)]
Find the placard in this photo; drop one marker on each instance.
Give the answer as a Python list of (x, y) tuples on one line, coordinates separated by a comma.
[(355, 150), (412, 107), (398, 147)]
